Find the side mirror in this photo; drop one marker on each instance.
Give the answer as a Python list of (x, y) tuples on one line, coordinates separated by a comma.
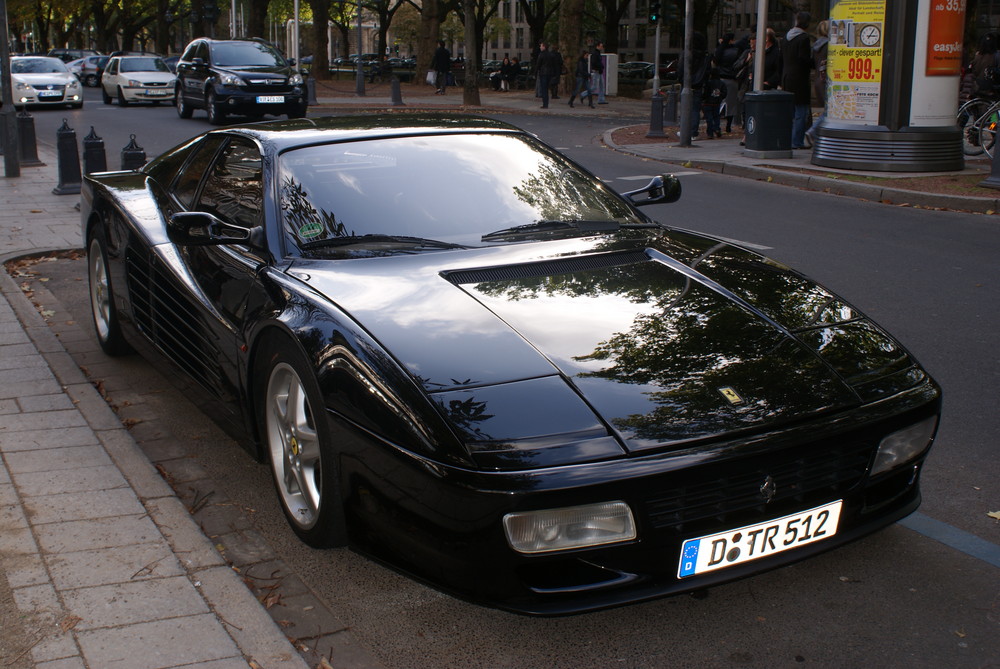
[(199, 228), (663, 189), (197, 62)]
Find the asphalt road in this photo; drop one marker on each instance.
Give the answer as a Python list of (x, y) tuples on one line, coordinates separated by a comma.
[(896, 599)]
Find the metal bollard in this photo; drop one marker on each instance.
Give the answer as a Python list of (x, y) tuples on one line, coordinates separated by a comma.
[(133, 155), (27, 144), (656, 116), (670, 108), (397, 94), (69, 161), (94, 157), (311, 91)]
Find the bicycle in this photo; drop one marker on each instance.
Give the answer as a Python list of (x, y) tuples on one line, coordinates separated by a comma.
[(968, 119)]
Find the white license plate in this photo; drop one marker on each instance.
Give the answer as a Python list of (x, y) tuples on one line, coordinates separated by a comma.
[(49, 94), (725, 549), (270, 98), (160, 92)]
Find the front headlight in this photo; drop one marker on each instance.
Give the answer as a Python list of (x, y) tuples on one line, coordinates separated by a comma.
[(132, 83), (21, 86), (904, 445), (74, 84), (231, 80), (295, 80), (570, 527)]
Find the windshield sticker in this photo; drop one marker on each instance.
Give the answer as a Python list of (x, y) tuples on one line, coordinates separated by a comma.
[(310, 230)]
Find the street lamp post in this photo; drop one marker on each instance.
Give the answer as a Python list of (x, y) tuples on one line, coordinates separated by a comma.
[(11, 164), (359, 81)]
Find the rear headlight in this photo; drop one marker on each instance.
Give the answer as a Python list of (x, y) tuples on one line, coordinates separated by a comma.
[(904, 445), (571, 527)]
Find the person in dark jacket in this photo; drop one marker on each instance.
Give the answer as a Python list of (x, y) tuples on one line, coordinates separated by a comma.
[(582, 87), (726, 55), (772, 61), (559, 68), (701, 63), (546, 69), (597, 73), (441, 62), (797, 63)]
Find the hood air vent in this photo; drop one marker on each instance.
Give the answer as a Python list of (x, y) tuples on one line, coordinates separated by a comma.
[(546, 268)]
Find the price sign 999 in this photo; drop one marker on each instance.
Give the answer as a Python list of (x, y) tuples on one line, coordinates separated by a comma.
[(860, 69)]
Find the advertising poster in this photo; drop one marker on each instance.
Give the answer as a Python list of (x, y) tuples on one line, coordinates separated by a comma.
[(854, 61), (940, 25)]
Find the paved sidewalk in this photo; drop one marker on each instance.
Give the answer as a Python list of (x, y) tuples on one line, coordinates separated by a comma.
[(101, 560)]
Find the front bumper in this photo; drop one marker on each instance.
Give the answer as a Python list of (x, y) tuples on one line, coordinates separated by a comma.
[(261, 100), (34, 97), (443, 524), (149, 93)]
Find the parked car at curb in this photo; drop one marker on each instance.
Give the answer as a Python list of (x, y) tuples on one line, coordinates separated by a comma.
[(237, 77), (88, 69), (129, 79), (504, 378), (44, 81)]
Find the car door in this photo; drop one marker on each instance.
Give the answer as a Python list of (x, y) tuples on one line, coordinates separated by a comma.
[(109, 81), (192, 72)]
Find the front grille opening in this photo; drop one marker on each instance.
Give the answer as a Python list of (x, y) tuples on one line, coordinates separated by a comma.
[(569, 576)]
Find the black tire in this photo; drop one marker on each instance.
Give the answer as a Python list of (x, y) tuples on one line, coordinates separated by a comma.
[(182, 107), (104, 95), (298, 112), (297, 439), (122, 102), (215, 114), (90, 80), (102, 298)]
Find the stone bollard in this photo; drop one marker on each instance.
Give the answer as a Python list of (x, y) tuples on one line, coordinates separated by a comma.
[(27, 144), (94, 157), (397, 95), (133, 155), (69, 161)]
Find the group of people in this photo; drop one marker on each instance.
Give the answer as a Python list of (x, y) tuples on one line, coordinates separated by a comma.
[(721, 80), (588, 75)]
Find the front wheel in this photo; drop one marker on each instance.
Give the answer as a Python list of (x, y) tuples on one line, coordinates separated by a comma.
[(104, 95), (122, 100), (90, 80), (102, 299), (215, 114), (297, 436), (968, 119), (182, 107)]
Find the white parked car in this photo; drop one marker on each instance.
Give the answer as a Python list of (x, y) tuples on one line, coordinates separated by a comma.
[(88, 69), (40, 80), (137, 79)]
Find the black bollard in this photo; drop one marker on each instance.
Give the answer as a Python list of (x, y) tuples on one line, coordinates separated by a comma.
[(133, 155), (656, 116), (69, 161), (94, 157), (27, 144), (311, 91), (670, 107), (397, 95)]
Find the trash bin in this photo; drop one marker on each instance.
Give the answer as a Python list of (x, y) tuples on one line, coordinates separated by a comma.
[(769, 123)]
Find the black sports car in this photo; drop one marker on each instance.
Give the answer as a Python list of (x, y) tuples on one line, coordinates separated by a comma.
[(462, 353)]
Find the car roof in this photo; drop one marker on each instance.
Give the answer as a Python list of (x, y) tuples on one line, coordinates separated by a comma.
[(278, 136)]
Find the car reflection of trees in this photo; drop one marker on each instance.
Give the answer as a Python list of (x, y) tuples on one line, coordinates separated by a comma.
[(690, 343)]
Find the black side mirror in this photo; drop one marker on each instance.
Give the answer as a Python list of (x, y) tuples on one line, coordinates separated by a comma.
[(663, 189), (199, 228), (197, 61)]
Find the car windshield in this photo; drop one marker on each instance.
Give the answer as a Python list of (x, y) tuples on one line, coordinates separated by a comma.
[(37, 65), (228, 54), (462, 189), (143, 65)]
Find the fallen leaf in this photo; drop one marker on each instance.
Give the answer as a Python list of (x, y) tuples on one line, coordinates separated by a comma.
[(69, 622), (960, 634), (994, 514)]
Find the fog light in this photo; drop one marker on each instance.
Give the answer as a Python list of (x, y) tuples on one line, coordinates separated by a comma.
[(906, 444), (571, 527)]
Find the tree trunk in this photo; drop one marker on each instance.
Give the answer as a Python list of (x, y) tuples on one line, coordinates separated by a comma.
[(320, 69), (257, 19), (430, 25), (570, 39), (470, 94)]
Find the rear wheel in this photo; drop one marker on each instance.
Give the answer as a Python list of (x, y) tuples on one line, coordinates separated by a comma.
[(297, 436), (102, 299), (90, 80)]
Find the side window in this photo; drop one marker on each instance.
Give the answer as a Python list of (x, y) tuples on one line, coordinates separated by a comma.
[(113, 67), (186, 187), (189, 53), (234, 185), (203, 53)]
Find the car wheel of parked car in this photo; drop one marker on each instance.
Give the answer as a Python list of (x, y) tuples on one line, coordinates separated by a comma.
[(102, 302), (122, 102), (298, 112), (90, 80), (104, 96), (296, 434), (215, 114), (182, 108)]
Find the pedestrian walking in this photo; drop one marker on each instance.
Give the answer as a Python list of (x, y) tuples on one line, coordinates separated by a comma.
[(597, 73), (797, 63), (582, 74), (441, 62), (546, 69)]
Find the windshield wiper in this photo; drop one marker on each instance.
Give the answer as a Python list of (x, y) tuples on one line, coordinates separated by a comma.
[(377, 239), (543, 227)]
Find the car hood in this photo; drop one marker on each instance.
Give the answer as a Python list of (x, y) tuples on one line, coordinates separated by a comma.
[(259, 71), (149, 77), (45, 79), (666, 339)]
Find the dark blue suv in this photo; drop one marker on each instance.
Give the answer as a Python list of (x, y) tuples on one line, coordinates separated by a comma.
[(241, 77)]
